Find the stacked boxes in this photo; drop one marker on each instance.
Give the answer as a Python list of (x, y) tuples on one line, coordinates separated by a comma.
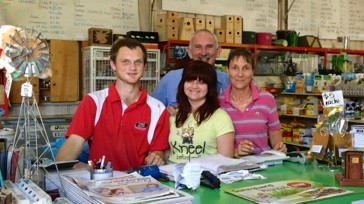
[(232, 26), (238, 29), (167, 26), (227, 26)]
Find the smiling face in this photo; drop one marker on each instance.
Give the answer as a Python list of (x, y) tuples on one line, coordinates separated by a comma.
[(129, 65), (240, 72), (204, 47), (196, 91)]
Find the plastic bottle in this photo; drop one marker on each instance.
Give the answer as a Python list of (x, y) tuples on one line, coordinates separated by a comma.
[(357, 112), (299, 83)]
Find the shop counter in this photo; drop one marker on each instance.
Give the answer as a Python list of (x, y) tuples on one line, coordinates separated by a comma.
[(286, 171)]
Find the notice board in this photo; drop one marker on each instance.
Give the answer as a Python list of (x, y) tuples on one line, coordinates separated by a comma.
[(70, 19), (327, 19), (258, 15)]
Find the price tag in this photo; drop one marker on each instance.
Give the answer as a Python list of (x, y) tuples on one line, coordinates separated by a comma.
[(9, 81), (316, 148), (26, 89), (333, 99)]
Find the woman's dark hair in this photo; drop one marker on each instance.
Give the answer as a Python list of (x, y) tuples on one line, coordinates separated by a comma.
[(202, 71), (248, 56), (129, 43)]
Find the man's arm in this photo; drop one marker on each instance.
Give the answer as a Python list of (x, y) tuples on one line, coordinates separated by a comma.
[(159, 91), (71, 148)]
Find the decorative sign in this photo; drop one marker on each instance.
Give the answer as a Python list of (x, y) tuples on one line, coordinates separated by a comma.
[(333, 99)]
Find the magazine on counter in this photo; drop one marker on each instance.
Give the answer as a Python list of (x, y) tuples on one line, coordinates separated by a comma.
[(289, 192), (131, 188)]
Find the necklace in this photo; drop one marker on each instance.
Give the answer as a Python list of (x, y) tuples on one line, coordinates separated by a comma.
[(236, 102), (242, 105)]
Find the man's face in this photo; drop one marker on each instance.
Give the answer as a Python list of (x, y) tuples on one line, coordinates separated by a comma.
[(129, 65), (204, 48)]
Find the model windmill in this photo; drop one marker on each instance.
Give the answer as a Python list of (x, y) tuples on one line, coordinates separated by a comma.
[(26, 54)]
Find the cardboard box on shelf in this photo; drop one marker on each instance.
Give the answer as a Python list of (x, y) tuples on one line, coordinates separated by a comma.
[(238, 23), (167, 28), (172, 14), (220, 34), (229, 36), (227, 22), (210, 24), (200, 23), (186, 28), (100, 36), (299, 111), (237, 36)]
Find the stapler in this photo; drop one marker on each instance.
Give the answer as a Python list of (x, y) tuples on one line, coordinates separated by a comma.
[(300, 157), (209, 180)]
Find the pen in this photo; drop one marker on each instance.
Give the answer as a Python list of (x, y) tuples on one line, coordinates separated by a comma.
[(108, 165), (102, 162)]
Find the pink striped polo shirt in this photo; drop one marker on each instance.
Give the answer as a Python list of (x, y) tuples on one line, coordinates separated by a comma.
[(259, 117)]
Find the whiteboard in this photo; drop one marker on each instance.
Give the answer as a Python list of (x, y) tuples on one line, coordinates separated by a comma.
[(327, 19), (258, 15), (71, 19)]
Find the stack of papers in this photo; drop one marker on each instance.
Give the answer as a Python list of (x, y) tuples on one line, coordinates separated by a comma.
[(130, 188), (216, 164)]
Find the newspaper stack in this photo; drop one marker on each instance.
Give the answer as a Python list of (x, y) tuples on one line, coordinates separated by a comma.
[(130, 188)]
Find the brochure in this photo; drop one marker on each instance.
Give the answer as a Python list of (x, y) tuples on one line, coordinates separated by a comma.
[(289, 192)]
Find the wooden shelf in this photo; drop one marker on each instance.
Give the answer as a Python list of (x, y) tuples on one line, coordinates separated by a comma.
[(165, 45), (299, 116), (297, 144)]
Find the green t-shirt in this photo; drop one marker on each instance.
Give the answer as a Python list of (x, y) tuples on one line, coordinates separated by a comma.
[(195, 141)]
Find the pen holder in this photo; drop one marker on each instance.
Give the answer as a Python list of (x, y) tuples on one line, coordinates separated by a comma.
[(101, 173)]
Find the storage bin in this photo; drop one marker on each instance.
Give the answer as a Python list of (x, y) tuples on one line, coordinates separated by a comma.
[(264, 38), (248, 37)]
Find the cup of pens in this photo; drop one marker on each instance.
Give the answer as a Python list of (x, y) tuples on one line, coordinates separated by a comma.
[(99, 170)]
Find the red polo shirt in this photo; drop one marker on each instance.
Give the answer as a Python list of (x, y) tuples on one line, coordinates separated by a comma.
[(124, 137)]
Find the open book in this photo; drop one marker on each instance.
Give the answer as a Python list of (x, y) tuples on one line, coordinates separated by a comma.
[(216, 164)]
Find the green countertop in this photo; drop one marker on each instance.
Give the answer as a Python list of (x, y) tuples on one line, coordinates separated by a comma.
[(286, 171)]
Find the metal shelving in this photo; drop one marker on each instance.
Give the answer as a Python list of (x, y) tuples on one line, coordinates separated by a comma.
[(97, 73)]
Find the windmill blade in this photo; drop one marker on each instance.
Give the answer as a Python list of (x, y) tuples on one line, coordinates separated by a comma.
[(23, 67), (12, 54), (17, 33), (13, 47), (38, 36), (41, 42), (45, 56), (35, 69), (16, 62), (40, 66)]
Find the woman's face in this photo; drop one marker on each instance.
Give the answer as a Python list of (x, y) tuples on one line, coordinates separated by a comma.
[(240, 72), (196, 90)]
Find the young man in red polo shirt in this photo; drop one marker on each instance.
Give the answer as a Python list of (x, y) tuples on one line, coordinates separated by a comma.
[(122, 122)]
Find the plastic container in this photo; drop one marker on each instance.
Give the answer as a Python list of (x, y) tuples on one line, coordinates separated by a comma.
[(264, 38)]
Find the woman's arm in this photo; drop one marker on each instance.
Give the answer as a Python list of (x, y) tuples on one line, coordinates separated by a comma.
[(276, 141), (225, 144)]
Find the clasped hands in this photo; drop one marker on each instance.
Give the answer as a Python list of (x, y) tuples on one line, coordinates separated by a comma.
[(246, 148), (153, 159)]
